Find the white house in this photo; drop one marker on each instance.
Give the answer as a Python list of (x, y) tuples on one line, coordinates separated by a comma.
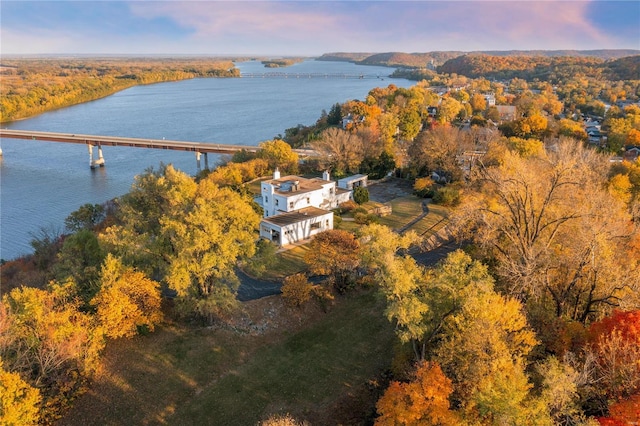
[(288, 228), (291, 193), (296, 208)]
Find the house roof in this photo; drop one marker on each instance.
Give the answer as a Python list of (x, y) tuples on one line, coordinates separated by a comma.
[(353, 178), (296, 185), (301, 215)]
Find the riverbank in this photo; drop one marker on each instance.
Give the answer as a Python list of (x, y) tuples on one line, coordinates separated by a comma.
[(33, 86)]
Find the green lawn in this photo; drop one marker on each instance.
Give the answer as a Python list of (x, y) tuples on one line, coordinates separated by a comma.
[(206, 376), (304, 374), (405, 209)]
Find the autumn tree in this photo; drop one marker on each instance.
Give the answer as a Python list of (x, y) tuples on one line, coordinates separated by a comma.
[(409, 123), (279, 155), (190, 233), (127, 301), (483, 350), (388, 125), (49, 341), (559, 391), (19, 402), (533, 125), (401, 282), (422, 401), (296, 289), (572, 129), (556, 234), (448, 110), (478, 103), (283, 420), (526, 147), (339, 150), (616, 344), (437, 150), (334, 253)]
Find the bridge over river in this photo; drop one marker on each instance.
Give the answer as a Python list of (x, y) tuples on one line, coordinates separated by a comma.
[(97, 141), (280, 74)]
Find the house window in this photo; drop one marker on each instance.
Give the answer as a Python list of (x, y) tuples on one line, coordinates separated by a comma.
[(315, 225), (330, 191), (290, 204), (308, 200), (327, 225), (266, 199), (277, 201)]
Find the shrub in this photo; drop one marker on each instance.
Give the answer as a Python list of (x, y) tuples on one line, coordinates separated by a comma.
[(296, 290), (424, 187), (447, 196), (361, 195), (348, 206)]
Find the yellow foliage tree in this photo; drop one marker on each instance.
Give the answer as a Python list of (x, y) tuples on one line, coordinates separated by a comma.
[(50, 342), (127, 300), (296, 290), (279, 154), (19, 402)]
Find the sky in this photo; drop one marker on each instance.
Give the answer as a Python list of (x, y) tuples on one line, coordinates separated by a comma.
[(311, 28)]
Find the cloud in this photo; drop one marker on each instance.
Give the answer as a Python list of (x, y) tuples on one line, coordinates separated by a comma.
[(313, 27), (246, 19)]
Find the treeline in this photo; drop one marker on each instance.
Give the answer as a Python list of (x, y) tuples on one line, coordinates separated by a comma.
[(33, 86), (420, 60), (552, 69), (279, 63)]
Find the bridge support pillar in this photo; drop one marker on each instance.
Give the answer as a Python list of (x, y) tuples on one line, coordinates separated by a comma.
[(198, 159), (95, 163), (206, 160)]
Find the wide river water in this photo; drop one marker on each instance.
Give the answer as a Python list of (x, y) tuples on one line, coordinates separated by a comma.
[(42, 182)]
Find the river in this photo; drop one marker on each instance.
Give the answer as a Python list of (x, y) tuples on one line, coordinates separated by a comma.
[(42, 182)]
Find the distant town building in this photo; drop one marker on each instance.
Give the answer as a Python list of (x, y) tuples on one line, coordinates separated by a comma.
[(507, 112), (490, 98)]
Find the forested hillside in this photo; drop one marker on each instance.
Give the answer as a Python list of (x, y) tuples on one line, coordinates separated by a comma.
[(420, 60), (541, 67)]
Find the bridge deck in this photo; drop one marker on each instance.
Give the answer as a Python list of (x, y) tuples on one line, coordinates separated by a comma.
[(280, 74), (96, 140)]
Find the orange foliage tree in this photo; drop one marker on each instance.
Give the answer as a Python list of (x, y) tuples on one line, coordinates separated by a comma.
[(616, 344), (334, 253), (422, 401)]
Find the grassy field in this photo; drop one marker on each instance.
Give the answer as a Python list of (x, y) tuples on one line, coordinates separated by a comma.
[(321, 371)]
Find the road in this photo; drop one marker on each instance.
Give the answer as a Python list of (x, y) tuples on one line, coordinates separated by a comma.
[(254, 288)]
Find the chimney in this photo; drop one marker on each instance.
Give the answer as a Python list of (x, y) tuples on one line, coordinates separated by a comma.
[(276, 173), (325, 175)]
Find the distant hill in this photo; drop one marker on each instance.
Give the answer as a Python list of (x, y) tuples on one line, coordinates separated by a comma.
[(344, 56), (625, 68), (414, 60), (548, 68), (598, 53), (420, 60)]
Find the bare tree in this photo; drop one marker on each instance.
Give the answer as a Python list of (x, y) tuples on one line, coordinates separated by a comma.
[(339, 150), (556, 234)]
